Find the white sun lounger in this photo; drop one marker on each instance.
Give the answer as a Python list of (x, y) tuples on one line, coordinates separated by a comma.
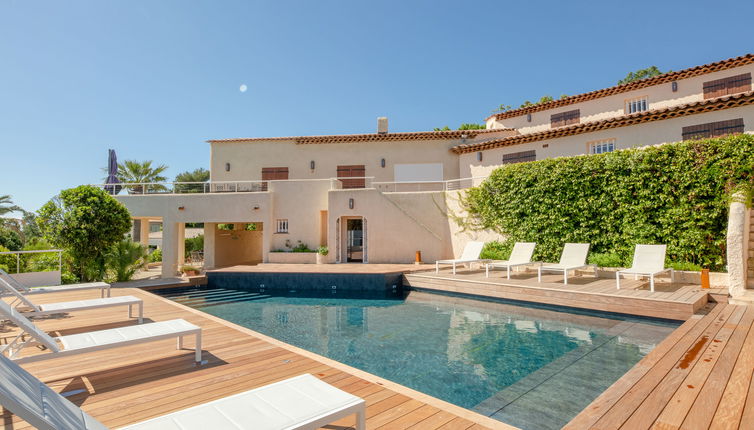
[(649, 260), (302, 402), (572, 258), (520, 256), (470, 255), (73, 306), (102, 286), (82, 343)]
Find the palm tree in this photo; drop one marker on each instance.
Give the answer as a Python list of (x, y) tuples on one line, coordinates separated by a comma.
[(7, 206), (135, 172)]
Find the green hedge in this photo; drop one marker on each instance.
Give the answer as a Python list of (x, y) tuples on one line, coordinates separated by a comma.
[(677, 194)]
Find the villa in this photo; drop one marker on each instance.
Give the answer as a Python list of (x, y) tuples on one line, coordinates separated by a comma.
[(352, 192), (391, 344)]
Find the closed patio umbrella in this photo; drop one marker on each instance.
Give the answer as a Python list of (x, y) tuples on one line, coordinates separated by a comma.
[(112, 172)]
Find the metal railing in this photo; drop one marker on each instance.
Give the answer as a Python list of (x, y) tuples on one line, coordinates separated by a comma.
[(18, 256), (363, 182), (418, 186)]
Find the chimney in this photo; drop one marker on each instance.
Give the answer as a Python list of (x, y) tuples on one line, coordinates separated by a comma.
[(382, 125)]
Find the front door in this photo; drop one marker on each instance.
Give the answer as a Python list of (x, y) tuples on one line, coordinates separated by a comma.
[(354, 240), (356, 172)]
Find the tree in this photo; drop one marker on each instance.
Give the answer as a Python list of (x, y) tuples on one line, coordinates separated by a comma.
[(198, 175), (10, 239), (501, 108), (7, 206), (446, 128), (86, 221), (139, 172), (466, 126), (29, 229), (641, 74), (125, 258)]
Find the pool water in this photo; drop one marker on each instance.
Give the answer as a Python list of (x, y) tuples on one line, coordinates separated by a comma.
[(534, 367)]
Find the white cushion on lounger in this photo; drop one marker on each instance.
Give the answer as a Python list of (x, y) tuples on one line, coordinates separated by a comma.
[(126, 334), (80, 305)]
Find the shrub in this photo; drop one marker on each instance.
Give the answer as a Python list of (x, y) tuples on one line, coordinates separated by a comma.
[(125, 258), (301, 247), (607, 259), (497, 250), (686, 266), (193, 244), (676, 194), (10, 239), (323, 250), (155, 256)]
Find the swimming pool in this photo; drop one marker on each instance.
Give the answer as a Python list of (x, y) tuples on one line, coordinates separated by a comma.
[(534, 367)]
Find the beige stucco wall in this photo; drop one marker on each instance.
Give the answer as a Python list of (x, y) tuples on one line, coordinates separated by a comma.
[(300, 202), (659, 96), (248, 158), (651, 133)]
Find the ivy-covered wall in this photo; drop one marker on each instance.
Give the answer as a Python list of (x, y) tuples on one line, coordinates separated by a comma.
[(677, 194)]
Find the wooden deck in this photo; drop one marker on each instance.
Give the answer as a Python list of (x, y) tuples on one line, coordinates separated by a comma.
[(671, 301), (699, 377), (131, 384)]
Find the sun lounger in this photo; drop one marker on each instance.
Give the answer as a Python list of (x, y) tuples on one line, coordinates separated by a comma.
[(572, 258), (520, 256), (649, 260), (102, 286), (33, 309), (302, 402), (82, 343), (470, 255)]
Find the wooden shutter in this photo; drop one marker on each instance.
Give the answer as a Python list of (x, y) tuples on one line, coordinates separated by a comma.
[(355, 171), (725, 86), (520, 157), (273, 174), (565, 118), (713, 129)]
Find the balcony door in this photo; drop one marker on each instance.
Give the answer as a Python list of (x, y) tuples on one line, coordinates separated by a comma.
[(356, 172)]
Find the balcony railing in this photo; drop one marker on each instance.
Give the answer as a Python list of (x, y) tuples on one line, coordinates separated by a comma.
[(367, 182)]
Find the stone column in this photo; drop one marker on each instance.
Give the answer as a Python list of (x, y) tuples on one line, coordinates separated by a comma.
[(170, 239), (144, 232), (737, 247), (209, 245), (181, 243)]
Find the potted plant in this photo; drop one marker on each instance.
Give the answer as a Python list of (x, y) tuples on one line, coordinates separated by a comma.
[(189, 270), (322, 252)]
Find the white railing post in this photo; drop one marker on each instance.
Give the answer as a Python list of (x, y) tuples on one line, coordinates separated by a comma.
[(18, 263), (60, 262)]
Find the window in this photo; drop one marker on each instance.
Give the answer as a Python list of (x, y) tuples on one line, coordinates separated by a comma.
[(519, 157), (281, 226), (639, 104), (713, 129), (725, 86), (357, 172), (601, 146), (565, 118)]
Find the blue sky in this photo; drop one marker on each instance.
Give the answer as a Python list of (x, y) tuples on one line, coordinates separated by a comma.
[(155, 79)]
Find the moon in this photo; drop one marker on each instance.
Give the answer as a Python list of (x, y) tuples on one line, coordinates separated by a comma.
[(243, 88)]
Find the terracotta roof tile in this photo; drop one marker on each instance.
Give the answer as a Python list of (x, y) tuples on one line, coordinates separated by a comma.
[(635, 85), (371, 137), (720, 103)]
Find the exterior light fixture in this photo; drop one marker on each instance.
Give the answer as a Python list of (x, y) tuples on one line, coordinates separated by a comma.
[(256, 208), (350, 203), (180, 208), (479, 156), (227, 167), (382, 163), (528, 117), (311, 164), (674, 86)]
